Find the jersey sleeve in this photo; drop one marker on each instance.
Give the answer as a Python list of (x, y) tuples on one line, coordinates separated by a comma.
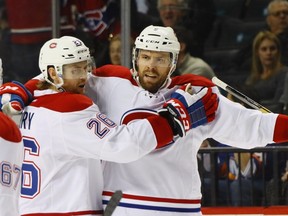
[(8, 129), (31, 85), (91, 134), (240, 127)]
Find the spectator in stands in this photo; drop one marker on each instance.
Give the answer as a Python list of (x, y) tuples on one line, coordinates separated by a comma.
[(265, 83), (173, 12), (102, 18), (30, 26), (234, 176), (210, 172), (277, 23), (95, 21), (187, 63), (197, 15), (276, 186), (115, 49), (284, 185), (246, 184), (278, 197), (91, 21)]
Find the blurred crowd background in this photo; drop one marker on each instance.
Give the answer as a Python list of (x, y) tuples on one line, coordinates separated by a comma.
[(243, 42)]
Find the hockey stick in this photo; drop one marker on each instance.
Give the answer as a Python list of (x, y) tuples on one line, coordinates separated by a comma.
[(239, 95), (113, 203)]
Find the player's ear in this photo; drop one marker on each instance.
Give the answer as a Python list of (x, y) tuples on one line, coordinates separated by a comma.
[(52, 73)]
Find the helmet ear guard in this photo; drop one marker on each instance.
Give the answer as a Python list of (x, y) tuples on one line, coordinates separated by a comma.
[(156, 38), (61, 51)]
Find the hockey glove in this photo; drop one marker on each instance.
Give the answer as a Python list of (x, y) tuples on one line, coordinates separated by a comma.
[(14, 97), (185, 111), (200, 106)]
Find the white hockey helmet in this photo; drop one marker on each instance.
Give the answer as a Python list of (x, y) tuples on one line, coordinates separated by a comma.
[(157, 38), (61, 51)]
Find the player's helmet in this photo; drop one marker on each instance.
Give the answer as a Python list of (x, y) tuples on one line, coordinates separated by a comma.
[(61, 51), (157, 38)]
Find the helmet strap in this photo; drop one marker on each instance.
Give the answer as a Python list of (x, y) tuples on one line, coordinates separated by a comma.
[(59, 85)]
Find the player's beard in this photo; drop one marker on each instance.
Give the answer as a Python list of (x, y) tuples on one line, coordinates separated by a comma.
[(76, 86), (151, 80)]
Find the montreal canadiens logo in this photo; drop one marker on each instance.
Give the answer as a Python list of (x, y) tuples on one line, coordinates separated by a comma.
[(77, 42), (53, 45)]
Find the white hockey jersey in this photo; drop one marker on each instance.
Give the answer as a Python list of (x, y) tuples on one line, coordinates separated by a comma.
[(11, 155), (65, 138), (166, 181)]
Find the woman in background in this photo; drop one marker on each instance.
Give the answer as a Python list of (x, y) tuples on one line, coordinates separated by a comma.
[(265, 83), (115, 49)]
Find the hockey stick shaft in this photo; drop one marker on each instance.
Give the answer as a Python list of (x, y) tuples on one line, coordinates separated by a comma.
[(245, 99), (113, 203)]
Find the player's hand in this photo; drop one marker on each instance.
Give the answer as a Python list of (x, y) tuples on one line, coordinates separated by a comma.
[(185, 111), (200, 106), (13, 98)]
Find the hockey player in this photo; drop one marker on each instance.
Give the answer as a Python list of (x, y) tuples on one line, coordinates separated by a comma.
[(10, 158), (173, 186), (65, 136), (166, 182)]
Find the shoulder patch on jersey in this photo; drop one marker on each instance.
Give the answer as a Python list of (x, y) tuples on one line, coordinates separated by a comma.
[(8, 129), (134, 114), (195, 80), (114, 71), (63, 102)]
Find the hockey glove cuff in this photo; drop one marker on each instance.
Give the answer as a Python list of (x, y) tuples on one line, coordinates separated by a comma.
[(14, 97)]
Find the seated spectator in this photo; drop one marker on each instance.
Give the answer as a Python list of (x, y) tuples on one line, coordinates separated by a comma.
[(246, 185), (277, 23), (238, 181), (284, 185), (173, 12), (276, 187), (209, 172), (187, 63), (266, 81), (196, 15), (115, 49), (102, 18), (30, 26)]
